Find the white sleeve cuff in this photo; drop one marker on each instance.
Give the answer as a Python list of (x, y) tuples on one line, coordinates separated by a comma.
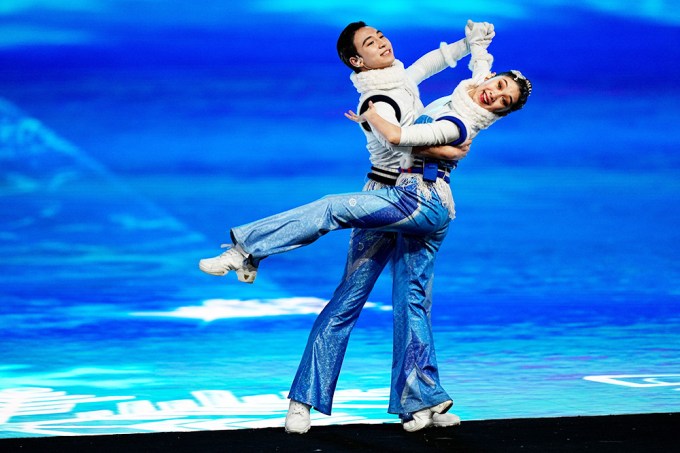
[(454, 52)]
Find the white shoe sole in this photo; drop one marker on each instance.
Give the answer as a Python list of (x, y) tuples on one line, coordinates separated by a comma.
[(208, 270), (413, 427), (297, 431), (439, 424)]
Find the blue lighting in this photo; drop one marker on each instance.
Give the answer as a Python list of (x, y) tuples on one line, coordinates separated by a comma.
[(133, 134)]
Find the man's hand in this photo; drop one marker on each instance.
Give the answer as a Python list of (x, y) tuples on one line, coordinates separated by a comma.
[(350, 115), (369, 114), (446, 152)]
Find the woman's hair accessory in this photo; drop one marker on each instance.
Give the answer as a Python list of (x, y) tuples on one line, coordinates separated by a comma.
[(519, 76)]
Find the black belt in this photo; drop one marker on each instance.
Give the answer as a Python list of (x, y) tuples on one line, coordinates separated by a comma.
[(383, 176)]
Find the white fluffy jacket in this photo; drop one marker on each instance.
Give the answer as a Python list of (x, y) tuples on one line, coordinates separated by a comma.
[(401, 85)]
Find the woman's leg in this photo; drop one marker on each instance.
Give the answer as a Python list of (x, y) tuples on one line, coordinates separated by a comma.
[(317, 375), (395, 209)]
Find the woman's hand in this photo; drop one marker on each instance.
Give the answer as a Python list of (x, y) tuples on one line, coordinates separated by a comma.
[(479, 34)]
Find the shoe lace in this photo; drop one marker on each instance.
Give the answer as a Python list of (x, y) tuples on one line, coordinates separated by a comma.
[(298, 409), (248, 261), (228, 248)]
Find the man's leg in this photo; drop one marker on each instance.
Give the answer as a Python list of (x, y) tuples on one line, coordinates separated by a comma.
[(317, 375), (415, 376), (367, 256)]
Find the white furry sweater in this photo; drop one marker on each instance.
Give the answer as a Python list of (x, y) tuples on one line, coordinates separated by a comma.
[(401, 85)]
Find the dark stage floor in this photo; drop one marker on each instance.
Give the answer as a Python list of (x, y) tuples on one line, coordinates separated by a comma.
[(620, 433)]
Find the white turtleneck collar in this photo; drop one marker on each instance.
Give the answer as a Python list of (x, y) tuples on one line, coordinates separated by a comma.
[(393, 76), (472, 113)]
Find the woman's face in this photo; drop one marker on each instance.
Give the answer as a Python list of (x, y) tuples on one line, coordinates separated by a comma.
[(497, 94), (374, 49)]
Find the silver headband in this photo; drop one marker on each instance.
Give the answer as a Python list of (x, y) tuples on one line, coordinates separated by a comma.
[(518, 75)]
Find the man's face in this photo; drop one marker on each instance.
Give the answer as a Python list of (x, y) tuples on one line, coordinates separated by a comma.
[(497, 94), (374, 49)]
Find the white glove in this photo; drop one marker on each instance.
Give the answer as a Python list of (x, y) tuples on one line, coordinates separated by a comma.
[(479, 34)]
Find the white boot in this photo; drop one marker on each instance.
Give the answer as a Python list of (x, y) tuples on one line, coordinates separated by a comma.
[(298, 420), (234, 259)]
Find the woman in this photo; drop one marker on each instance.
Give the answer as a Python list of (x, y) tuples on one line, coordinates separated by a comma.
[(471, 107)]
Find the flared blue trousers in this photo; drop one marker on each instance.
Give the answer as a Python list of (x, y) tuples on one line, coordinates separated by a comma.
[(396, 221)]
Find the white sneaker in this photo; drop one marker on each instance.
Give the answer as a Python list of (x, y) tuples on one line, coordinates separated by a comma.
[(234, 259), (442, 408), (425, 418), (297, 419), (444, 420)]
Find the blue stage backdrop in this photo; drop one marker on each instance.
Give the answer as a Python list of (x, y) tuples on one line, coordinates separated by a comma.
[(133, 134)]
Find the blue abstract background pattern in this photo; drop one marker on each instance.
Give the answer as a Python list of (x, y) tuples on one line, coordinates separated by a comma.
[(133, 134)]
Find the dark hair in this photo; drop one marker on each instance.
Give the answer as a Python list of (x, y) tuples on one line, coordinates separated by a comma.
[(524, 85), (345, 46)]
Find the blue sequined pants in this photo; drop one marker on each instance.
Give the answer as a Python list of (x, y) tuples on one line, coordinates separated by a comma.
[(316, 378), (423, 223)]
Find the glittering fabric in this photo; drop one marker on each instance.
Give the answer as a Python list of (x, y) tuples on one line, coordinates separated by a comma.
[(415, 375), (400, 209), (317, 375), (422, 219)]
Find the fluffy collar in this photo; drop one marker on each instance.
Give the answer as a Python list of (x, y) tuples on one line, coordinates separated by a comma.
[(394, 76), (474, 115)]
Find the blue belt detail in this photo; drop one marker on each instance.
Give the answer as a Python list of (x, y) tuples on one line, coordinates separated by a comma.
[(419, 170)]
